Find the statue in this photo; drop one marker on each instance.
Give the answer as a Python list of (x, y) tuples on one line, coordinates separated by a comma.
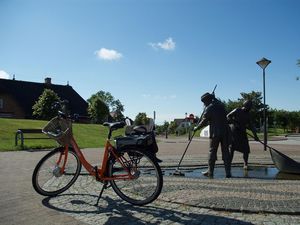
[(215, 116), (239, 120)]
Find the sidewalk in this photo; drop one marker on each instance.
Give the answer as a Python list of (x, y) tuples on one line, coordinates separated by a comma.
[(182, 201)]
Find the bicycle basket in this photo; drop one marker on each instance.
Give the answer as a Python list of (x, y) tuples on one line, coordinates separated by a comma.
[(59, 130)]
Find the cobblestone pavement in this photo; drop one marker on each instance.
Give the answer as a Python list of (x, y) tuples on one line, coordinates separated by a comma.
[(178, 204), (184, 200)]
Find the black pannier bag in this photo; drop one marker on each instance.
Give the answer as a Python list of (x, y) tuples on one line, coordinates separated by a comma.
[(138, 137), (144, 142)]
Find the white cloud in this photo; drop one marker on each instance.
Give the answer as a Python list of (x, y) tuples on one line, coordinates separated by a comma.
[(146, 95), (167, 45), (4, 75), (159, 97), (108, 54)]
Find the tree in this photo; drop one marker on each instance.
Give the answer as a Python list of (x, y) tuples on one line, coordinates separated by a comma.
[(257, 107), (173, 127), (112, 104), (118, 108), (160, 129), (294, 120), (43, 107), (141, 119), (165, 126), (231, 105), (98, 110), (280, 116)]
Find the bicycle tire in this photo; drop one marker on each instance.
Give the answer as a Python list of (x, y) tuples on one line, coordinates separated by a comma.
[(57, 182), (147, 185)]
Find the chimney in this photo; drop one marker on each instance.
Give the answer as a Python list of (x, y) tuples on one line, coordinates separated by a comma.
[(48, 80)]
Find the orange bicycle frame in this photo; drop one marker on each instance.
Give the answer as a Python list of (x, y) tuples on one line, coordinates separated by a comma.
[(100, 172)]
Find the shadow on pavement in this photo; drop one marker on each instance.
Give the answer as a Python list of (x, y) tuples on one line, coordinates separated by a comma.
[(111, 211)]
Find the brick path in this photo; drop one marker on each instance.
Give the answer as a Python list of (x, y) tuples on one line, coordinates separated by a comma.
[(182, 201)]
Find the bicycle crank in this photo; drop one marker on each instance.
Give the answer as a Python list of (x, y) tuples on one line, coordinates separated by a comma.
[(135, 174)]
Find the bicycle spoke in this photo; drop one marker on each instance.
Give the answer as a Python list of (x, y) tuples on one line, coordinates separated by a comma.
[(48, 179), (146, 183)]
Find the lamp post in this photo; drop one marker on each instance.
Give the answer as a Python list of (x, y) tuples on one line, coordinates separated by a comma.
[(263, 63), (185, 123)]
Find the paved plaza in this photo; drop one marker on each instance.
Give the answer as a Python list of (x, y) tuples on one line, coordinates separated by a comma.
[(243, 199)]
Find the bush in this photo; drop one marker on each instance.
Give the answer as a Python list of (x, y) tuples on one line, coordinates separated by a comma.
[(43, 107)]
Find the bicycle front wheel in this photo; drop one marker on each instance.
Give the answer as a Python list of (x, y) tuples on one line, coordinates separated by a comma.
[(49, 178), (146, 182)]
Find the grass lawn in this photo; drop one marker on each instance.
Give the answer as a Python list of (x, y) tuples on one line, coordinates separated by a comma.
[(271, 132), (86, 135)]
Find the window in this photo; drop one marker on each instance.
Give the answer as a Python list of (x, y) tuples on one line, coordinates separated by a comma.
[(1, 103)]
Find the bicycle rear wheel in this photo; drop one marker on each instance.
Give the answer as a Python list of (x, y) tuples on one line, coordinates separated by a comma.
[(48, 178), (147, 180)]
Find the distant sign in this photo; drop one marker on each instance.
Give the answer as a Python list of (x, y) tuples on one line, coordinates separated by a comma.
[(205, 132)]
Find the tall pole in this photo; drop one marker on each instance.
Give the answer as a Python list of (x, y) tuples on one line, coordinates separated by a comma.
[(263, 63), (265, 119), (186, 125)]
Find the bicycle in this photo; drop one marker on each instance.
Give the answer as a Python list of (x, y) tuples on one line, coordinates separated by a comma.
[(134, 175)]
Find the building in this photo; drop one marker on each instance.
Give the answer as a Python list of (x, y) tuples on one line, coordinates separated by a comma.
[(18, 97), (183, 125)]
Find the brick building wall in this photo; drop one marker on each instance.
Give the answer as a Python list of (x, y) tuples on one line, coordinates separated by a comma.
[(9, 108)]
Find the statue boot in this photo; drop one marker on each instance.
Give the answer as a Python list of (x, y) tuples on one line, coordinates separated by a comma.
[(227, 166), (210, 171)]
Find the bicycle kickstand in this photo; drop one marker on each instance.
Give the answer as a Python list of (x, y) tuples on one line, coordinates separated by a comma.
[(101, 192)]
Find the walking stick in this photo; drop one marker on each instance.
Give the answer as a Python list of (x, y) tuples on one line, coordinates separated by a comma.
[(177, 171)]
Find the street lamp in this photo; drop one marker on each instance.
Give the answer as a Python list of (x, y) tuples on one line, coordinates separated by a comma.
[(185, 123), (263, 63)]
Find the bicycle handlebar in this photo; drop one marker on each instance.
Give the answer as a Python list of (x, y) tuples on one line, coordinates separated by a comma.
[(61, 107), (114, 126)]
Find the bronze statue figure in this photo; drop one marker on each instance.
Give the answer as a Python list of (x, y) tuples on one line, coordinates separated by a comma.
[(215, 116), (239, 120)]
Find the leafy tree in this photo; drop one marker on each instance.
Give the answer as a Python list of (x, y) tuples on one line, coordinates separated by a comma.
[(294, 120), (172, 127), (231, 105), (43, 107), (281, 118), (162, 128), (165, 126), (112, 104), (118, 108), (141, 119), (257, 107), (98, 110)]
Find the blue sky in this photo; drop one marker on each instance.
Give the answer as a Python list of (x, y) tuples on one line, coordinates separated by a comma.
[(157, 55)]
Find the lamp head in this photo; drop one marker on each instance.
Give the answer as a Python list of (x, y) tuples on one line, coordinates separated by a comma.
[(263, 63)]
